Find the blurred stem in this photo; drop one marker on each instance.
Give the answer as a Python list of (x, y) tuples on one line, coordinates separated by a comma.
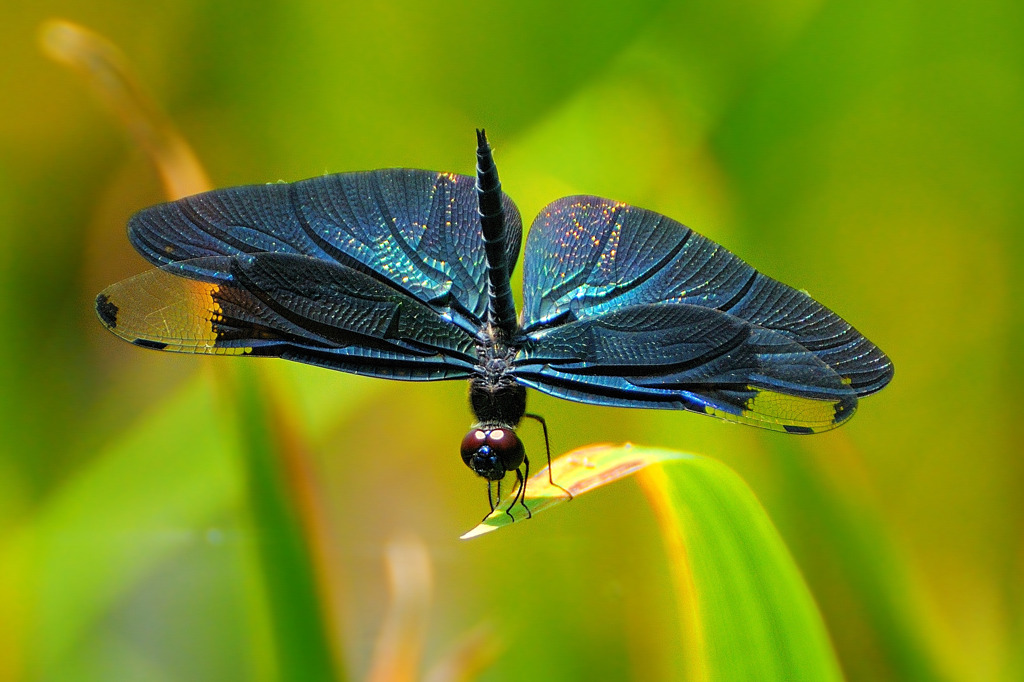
[(276, 499), (868, 560), (399, 647), (298, 622), (109, 75)]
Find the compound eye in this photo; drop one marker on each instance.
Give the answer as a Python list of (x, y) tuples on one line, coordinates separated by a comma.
[(506, 444), (472, 443)]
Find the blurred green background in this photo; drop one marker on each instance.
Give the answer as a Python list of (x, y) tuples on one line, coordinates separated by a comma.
[(870, 153)]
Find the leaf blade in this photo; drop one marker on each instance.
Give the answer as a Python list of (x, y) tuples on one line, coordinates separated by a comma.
[(745, 611), (578, 472), (744, 604)]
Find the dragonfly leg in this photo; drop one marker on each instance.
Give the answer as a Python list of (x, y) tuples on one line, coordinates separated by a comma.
[(523, 478), (490, 497), (547, 448)]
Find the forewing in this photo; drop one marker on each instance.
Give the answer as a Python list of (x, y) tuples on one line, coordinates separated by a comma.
[(587, 257), (682, 356), (416, 231), (289, 306)]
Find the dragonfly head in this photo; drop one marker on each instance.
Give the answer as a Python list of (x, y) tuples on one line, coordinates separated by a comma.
[(492, 451)]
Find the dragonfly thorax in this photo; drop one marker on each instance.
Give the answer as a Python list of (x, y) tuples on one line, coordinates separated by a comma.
[(495, 396)]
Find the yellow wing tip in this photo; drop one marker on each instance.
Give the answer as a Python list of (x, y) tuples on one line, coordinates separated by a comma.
[(160, 311), (787, 413)]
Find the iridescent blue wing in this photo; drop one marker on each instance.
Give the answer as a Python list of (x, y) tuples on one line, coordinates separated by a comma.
[(289, 306), (417, 232), (681, 356), (592, 264)]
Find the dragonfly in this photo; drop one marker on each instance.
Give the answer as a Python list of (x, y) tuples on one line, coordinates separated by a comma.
[(405, 274)]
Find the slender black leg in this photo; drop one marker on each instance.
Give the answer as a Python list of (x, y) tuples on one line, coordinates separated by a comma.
[(547, 448), (515, 498), (522, 489), (490, 498)]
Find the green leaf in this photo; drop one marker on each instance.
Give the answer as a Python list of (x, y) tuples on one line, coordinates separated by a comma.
[(575, 473), (746, 611)]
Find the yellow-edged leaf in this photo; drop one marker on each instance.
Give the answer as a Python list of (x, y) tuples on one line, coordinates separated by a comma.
[(579, 471)]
